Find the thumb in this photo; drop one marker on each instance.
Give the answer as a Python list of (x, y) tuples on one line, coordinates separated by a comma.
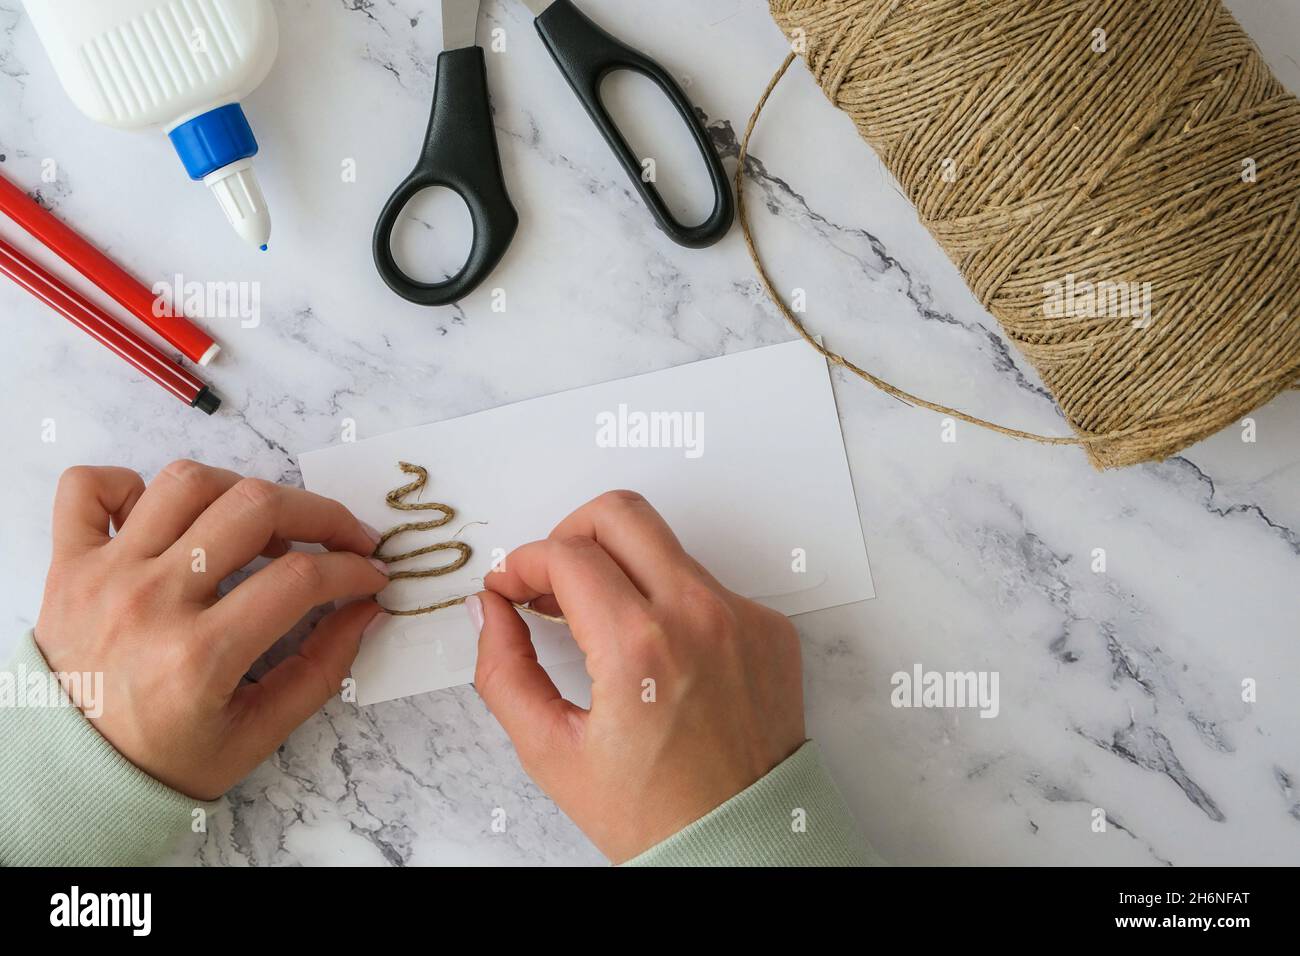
[(520, 694), (299, 686)]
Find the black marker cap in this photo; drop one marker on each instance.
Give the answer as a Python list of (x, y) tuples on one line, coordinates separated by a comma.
[(206, 401)]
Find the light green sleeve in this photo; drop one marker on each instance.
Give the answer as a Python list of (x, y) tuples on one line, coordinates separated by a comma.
[(67, 798), (794, 816)]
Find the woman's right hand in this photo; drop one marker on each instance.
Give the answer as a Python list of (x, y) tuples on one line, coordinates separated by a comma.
[(696, 691)]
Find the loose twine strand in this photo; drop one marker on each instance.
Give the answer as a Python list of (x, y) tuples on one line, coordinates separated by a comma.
[(831, 356), (1122, 166), (396, 500)]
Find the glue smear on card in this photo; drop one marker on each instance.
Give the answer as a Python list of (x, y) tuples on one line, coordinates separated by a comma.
[(453, 653), (776, 595)]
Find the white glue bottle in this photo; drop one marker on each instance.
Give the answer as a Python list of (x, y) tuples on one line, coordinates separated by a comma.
[(179, 65)]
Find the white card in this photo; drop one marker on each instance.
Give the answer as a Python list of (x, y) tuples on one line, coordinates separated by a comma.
[(750, 472)]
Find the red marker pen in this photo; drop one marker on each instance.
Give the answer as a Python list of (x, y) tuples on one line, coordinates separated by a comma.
[(192, 342)]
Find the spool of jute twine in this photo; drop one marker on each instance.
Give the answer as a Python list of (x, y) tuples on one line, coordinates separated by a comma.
[(1079, 160)]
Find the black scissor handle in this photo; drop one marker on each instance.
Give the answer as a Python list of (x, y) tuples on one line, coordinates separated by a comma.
[(586, 54), (460, 153)]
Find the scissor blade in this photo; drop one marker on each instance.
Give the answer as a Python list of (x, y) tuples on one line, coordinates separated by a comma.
[(459, 23), (538, 6)]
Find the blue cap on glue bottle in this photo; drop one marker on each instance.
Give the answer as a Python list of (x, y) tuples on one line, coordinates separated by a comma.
[(217, 148)]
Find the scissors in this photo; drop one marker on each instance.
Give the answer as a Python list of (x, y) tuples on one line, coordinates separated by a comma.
[(460, 147)]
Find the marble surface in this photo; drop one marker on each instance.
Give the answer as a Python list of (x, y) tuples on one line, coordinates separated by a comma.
[(1119, 690)]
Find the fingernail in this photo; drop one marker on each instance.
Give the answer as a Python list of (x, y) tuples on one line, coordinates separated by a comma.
[(371, 532), (379, 566), (376, 622), (474, 607)]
